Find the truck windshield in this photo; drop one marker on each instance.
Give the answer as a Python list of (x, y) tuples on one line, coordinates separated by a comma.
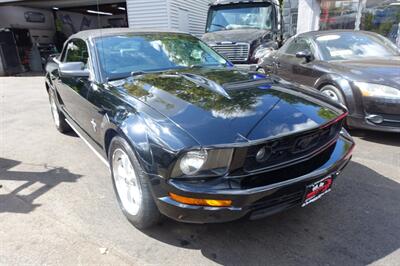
[(241, 16)]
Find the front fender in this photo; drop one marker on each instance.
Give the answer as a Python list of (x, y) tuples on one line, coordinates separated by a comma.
[(156, 142), (342, 84)]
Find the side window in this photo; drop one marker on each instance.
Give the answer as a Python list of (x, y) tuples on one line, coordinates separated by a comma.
[(76, 51), (298, 45)]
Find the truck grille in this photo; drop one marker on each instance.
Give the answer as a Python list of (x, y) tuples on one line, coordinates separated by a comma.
[(235, 52)]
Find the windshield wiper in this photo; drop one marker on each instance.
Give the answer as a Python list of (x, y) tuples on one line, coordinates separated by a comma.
[(137, 73), (208, 65), (219, 25)]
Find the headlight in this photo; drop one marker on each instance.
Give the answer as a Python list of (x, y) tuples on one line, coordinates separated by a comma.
[(192, 162), (203, 163), (377, 90)]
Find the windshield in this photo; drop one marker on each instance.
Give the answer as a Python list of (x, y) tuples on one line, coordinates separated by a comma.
[(121, 55), (257, 16), (353, 45)]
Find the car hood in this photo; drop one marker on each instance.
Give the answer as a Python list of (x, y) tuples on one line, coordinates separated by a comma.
[(224, 106), (240, 35), (381, 71)]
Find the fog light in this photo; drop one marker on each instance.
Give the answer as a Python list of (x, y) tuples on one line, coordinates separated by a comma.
[(376, 119), (263, 154), (260, 154), (201, 202)]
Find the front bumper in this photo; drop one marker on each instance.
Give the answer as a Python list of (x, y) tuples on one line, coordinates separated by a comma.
[(256, 202), (362, 122), (388, 110)]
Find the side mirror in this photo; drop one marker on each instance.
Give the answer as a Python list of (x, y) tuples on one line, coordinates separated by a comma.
[(305, 54), (73, 69)]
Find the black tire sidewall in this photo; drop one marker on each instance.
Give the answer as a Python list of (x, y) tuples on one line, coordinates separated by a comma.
[(148, 213), (63, 127)]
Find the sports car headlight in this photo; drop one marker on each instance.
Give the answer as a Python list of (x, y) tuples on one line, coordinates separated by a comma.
[(377, 90), (203, 163)]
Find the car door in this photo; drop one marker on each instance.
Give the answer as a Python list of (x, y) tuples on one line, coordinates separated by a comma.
[(294, 69), (74, 90)]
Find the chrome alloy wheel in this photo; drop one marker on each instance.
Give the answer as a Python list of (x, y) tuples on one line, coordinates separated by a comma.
[(54, 110), (126, 182), (331, 94)]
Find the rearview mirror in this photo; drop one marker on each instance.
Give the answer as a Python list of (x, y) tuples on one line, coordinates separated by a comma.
[(305, 54), (73, 69)]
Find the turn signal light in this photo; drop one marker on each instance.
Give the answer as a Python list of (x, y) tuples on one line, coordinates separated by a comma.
[(201, 202)]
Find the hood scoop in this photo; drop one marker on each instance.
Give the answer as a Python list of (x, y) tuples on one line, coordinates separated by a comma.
[(203, 82)]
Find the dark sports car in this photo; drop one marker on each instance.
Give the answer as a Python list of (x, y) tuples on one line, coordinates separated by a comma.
[(187, 135), (358, 69)]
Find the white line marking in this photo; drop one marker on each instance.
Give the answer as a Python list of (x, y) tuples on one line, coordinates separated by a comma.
[(88, 144)]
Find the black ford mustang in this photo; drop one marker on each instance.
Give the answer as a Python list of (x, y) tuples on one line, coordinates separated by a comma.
[(187, 135), (356, 68)]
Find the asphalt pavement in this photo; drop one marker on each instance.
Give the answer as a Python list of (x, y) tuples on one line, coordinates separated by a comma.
[(57, 206)]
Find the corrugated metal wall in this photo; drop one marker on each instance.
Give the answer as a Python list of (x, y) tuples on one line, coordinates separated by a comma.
[(197, 15), (184, 15), (148, 14)]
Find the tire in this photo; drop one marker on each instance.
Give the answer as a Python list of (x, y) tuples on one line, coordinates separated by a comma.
[(261, 70), (58, 116), (338, 95), (333, 93), (131, 185)]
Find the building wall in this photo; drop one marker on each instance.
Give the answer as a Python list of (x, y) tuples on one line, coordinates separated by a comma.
[(14, 17), (148, 14), (290, 17), (194, 12), (309, 11), (183, 15)]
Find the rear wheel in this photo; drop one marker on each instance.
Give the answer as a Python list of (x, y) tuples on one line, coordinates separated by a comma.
[(58, 116), (131, 185)]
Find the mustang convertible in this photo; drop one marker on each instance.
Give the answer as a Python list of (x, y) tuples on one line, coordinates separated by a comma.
[(188, 136)]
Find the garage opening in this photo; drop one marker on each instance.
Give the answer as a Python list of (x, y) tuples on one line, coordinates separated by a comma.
[(30, 31)]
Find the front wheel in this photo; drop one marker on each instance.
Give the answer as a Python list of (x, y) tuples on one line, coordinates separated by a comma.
[(58, 116), (131, 185), (333, 93)]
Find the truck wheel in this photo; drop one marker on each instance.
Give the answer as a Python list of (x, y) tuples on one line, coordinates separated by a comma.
[(58, 116), (131, 185)]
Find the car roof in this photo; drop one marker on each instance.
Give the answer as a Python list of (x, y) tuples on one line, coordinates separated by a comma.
[(88, 34), (313, 34)]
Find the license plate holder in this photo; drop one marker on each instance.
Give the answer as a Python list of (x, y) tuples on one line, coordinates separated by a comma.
[(317, 189)]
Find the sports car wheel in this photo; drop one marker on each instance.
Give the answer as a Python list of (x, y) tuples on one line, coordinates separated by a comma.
[(58, 116), (333, 93), (131, 185)]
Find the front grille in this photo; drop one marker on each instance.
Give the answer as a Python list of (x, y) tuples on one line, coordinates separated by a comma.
[(288, 172), (292, 148), (236, 52)]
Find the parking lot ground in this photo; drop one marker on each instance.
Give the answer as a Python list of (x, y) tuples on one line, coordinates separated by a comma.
[(57, 206)]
